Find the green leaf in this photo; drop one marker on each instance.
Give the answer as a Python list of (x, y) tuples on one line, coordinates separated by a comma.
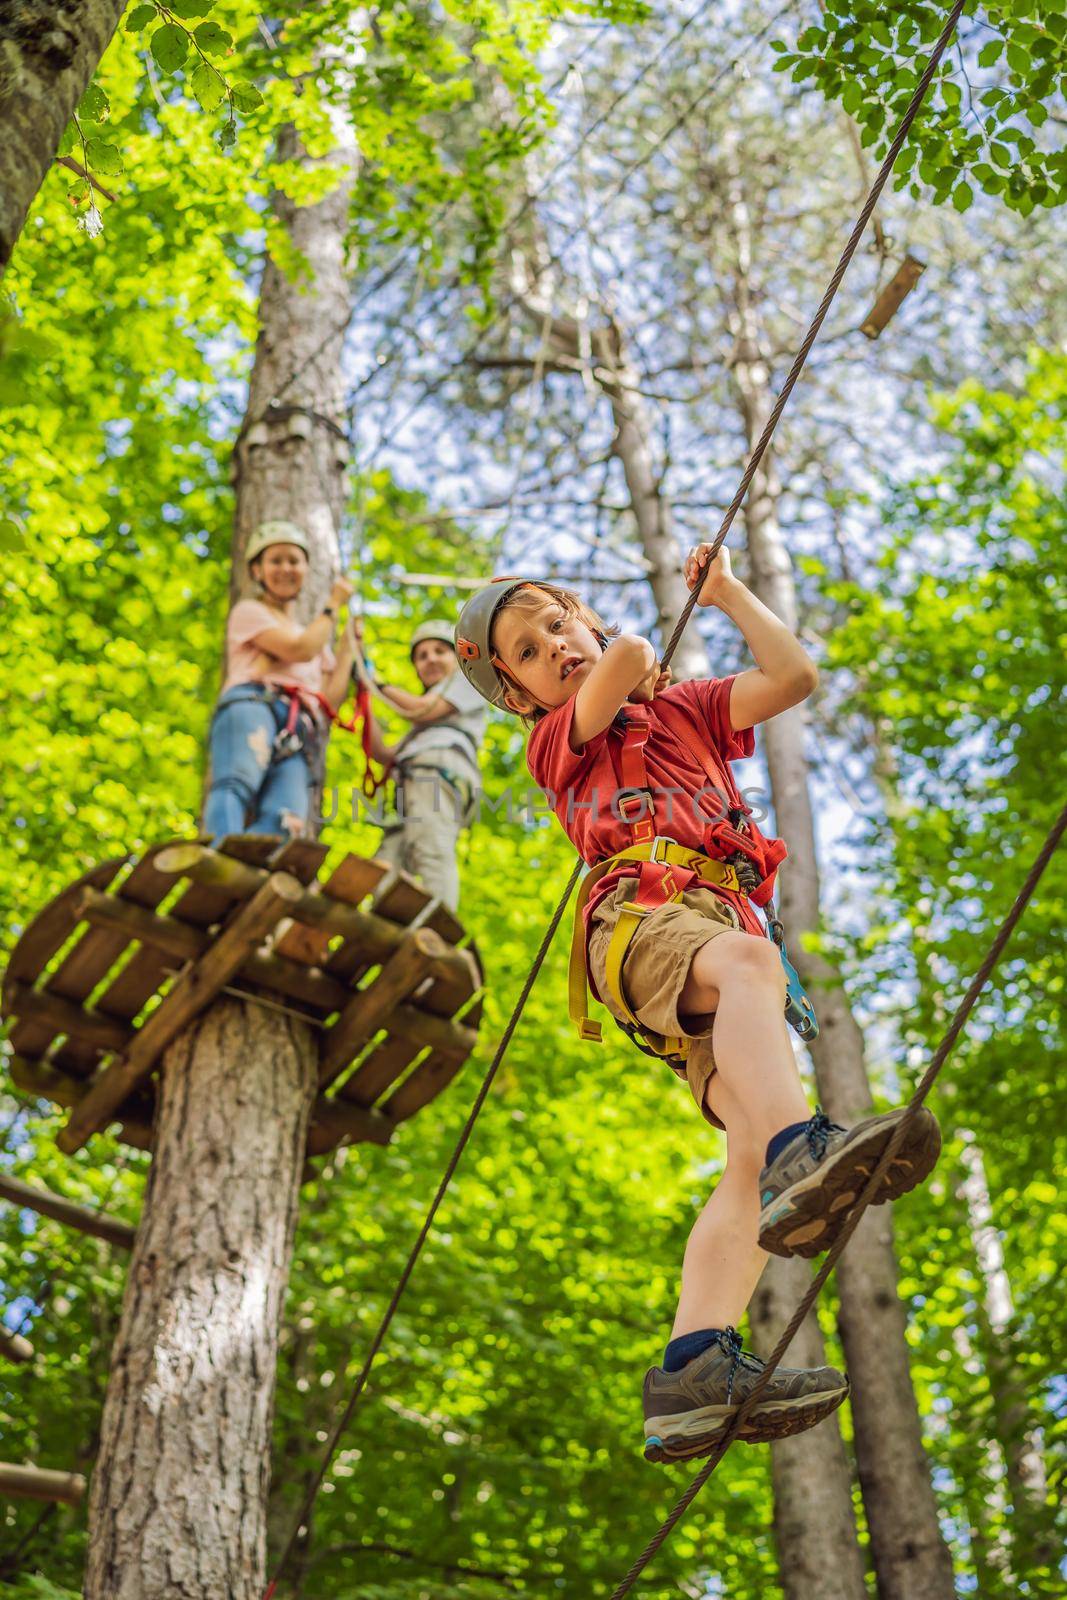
[(139, 17), (990, 53), (170, 46), (212, 39), (208, 87), (12, 535), (95, 104), (1018, 58), (187, 9), (962, 195), (246, 97), (106, 159), (227, 135)]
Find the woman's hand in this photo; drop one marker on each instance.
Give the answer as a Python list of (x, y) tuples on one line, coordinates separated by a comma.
[(718, 577), (343, 589)]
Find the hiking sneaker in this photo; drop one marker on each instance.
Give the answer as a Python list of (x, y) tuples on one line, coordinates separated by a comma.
[(687, 1412), (809, 1189)]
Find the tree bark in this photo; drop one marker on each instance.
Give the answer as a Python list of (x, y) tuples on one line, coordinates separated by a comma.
[(910, 1555), (179, 1491), (812, 1482), (1032, 1544), (291, 453), (47, 56)]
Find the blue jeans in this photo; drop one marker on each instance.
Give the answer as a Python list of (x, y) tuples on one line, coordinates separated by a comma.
[(245, 783)]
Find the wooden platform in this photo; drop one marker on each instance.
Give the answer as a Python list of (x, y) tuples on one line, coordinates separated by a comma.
[(117, 964)]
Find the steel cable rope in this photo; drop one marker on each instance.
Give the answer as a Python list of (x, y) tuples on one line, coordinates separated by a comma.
[(937, 1061), (939, 1056), (456, 280)]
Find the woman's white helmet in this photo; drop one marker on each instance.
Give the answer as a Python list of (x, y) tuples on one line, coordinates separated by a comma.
[(269, 533)]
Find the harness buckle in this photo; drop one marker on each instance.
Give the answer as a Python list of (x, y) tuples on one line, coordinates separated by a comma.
[(590, 1031)]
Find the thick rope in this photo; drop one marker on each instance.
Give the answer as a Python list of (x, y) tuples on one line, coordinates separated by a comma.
[(416, 1249), (937, 1061), (468, 1127)]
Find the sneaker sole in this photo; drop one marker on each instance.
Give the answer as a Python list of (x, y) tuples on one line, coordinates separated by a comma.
[(689, 1434), (806, 1219)]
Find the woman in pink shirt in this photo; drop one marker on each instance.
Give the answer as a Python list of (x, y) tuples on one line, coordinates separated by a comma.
[(283, 684)]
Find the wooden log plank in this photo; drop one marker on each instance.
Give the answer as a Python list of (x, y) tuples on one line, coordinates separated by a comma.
[(301, 859), (90, 960), (14, 1347), (183, 942), (39, 1483), (148, 969), (379, 1070), (365, 1012), (893, 296), (427, 1081), (47, 1082), (85, 1219), (379, 936), (45, 934), (104, 1033), (191, 993), (410, 1031), (202, 907), (351, 881), (334, 1123)]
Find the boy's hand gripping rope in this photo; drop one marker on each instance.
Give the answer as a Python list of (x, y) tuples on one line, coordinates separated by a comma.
[(731, 511)]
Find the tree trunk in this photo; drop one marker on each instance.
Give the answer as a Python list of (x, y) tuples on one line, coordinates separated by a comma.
[(812, 1483), (1024, 1462), (47, 56), (290, 457), (651, 507), (910, 1555), (179, 1492)]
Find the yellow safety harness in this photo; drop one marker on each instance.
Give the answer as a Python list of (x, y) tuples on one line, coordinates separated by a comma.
[(695, 866)]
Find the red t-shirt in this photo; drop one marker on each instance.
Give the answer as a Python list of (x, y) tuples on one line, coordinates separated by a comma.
[(582, 787)]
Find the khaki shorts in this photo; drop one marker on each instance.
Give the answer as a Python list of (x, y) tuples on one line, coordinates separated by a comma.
[(657, 965)]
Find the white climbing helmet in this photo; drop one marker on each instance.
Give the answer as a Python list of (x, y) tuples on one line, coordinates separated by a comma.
[(434, 628), (269, 533)]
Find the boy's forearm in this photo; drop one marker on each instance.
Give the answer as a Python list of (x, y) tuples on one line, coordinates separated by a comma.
[(775, 648)]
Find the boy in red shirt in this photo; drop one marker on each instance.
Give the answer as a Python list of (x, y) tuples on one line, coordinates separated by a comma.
[(678, 955)]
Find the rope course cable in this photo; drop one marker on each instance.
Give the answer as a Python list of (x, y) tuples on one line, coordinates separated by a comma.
[(940, 1054)]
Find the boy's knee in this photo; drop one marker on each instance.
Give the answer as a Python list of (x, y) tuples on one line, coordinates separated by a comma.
[(760, 962), (745, 960)]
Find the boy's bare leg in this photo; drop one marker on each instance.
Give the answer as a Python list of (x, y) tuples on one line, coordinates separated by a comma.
[(755, 1092)]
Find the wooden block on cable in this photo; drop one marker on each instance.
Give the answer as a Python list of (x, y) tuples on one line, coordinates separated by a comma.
[(111, 970)]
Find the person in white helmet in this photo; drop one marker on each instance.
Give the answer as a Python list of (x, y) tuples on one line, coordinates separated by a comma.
[(283, 685), (435, 763)]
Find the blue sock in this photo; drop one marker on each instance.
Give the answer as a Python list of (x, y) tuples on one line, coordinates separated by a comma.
[(780, 1140), (681, 1351)]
